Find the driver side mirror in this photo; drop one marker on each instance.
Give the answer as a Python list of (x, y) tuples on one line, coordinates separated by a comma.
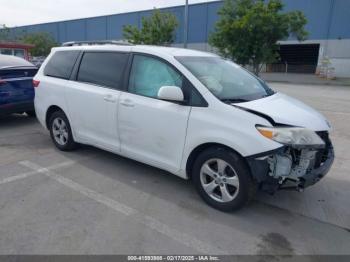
[(171, 93)]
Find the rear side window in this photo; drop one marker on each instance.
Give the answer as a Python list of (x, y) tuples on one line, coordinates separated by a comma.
[(103, 68), (61, 64)]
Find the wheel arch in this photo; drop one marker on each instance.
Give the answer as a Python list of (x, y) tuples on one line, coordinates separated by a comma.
[(49, 112), (200, 148)]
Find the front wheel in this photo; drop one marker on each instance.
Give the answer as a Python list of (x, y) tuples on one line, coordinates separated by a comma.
[(223, 179), (61, 133)]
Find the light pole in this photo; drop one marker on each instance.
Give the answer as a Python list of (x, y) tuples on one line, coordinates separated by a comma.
[(186, 25)]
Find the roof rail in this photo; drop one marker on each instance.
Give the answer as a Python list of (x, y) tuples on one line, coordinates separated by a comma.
[(97, 42)]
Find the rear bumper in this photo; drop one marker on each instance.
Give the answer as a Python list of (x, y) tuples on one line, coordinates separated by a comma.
[(16, 108), (270, 182), (40, 111)]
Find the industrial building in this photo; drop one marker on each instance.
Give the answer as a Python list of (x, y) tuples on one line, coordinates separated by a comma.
[(328, 27)]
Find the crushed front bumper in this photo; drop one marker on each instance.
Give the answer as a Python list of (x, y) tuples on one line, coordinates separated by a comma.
[(317, 174), (290, 168)]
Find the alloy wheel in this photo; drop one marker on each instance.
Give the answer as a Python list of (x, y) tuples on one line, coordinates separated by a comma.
[(219, 180), (60, 131)]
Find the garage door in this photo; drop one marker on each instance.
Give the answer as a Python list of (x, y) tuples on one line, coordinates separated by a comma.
[(299, 58)]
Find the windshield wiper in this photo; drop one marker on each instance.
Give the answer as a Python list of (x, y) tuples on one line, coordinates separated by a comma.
[(234, 100), (267, 95)]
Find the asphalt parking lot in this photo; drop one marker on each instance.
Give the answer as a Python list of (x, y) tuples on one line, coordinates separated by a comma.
[(93, 202)]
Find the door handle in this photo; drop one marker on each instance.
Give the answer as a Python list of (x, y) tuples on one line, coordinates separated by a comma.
[(127, 103), (109, 98)]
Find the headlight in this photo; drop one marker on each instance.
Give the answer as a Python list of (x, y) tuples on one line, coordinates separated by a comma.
[(294, 136)]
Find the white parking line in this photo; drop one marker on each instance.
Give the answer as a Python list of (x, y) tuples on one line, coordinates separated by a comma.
[(146, 220), (28, 174), (81, 189)]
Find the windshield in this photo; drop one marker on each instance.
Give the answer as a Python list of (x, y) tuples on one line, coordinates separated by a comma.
[(226, 80)]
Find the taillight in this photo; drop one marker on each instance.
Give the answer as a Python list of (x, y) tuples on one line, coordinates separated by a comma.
[(36, 83)]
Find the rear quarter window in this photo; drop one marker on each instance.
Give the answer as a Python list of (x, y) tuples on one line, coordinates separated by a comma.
[(61, 64), (103, 68)]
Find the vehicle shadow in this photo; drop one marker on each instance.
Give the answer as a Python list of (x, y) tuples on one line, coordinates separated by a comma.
[(16, 120), (20, 135), (259, 216)]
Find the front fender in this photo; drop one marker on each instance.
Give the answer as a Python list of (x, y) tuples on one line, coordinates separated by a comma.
[(232, 128)]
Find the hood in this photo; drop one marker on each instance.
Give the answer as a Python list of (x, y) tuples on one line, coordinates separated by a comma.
[(289, 111)]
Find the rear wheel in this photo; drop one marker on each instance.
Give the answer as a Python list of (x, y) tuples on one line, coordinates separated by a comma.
[(61, 133), (223, 179)]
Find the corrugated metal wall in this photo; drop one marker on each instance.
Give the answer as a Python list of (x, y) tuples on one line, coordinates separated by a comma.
[(327, 19)]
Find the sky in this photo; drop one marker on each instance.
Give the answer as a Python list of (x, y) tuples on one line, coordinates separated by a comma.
[(27, 12)]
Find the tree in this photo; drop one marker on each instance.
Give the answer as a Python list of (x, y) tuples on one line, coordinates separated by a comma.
[(4, 33), (158, 29), (248, 30), (43, 43)]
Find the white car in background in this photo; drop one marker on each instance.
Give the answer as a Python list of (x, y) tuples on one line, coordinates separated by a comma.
[(191, 113)]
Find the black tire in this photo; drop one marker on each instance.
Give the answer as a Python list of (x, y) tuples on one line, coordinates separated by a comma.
[(31, 113), (247, 187), (69, 144)]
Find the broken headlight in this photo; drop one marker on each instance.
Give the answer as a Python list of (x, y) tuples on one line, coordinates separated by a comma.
[(293, 136)]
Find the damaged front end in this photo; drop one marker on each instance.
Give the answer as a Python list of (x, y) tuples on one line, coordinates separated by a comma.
[(293, 167)]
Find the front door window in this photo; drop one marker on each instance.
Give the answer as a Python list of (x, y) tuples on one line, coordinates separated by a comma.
[(148, 75)]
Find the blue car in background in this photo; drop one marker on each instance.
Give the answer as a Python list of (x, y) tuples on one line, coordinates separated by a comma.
[(16, 85)]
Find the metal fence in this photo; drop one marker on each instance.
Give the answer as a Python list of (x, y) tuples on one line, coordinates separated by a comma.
[(291, 68)]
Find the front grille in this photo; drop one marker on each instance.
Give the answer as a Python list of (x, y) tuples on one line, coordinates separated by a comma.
[(322, 154)]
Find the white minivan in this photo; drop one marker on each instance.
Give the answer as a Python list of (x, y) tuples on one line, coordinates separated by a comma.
[(191, 113)]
